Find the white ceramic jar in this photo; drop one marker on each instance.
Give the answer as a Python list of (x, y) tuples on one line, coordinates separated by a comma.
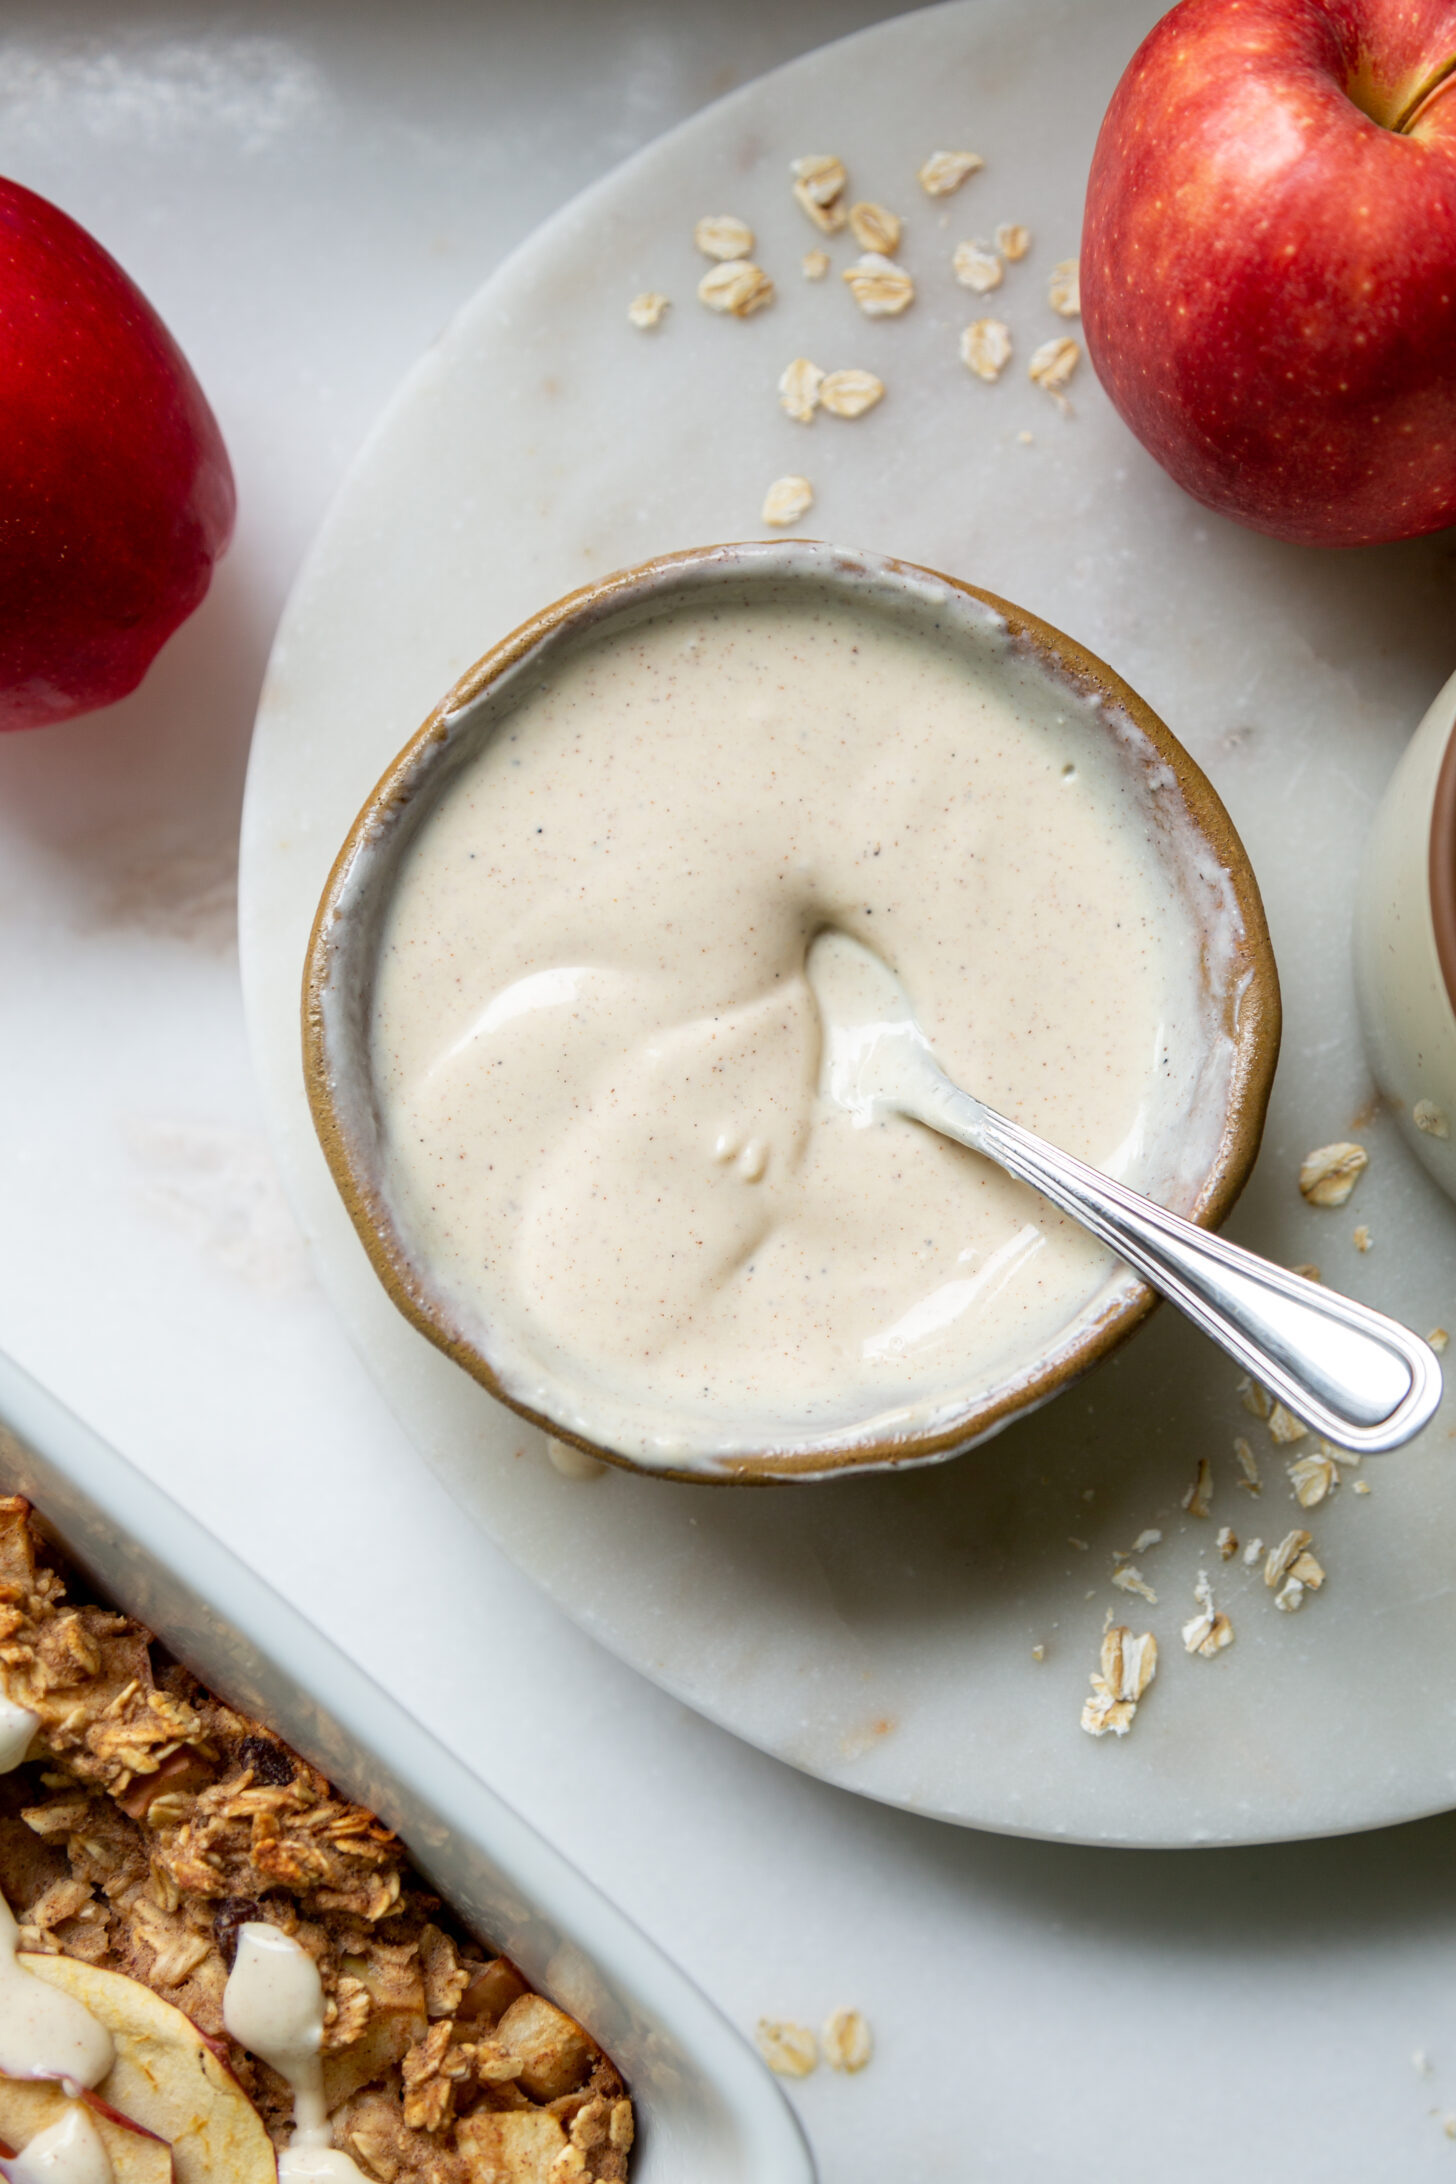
[(1405, 942)]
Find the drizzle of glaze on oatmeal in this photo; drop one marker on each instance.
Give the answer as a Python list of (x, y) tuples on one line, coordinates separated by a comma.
[(273, 2005), (596, 1055), (69, 2151)]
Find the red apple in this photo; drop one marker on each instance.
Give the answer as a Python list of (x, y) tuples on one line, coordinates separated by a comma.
[(1269, 261), (116, 496)]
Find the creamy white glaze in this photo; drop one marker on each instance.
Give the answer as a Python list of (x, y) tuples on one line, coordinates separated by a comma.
[(17, 1733), (69, 2151), (273, 2005), (44, 2033), (596, 1056)]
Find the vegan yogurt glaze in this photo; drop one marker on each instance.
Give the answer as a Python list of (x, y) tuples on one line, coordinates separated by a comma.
[(601, 1156)]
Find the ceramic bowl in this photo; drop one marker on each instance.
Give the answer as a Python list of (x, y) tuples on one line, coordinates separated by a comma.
[(1405, 942), (1241, 996)]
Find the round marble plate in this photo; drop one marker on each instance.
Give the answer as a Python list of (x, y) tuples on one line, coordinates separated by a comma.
[(925, 1639)]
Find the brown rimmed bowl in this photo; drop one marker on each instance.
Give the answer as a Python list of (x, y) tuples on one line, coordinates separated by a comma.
[(1195, 833)]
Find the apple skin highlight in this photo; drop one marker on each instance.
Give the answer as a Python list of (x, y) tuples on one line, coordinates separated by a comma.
[(116, 495), (1269, 262)]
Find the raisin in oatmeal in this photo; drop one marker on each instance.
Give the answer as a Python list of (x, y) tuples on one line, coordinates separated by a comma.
[(150, 1825)]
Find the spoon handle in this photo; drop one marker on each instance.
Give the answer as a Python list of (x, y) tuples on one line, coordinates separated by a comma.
[(1360, 1379)]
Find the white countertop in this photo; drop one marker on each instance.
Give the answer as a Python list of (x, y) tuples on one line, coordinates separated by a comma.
[(307, 196)]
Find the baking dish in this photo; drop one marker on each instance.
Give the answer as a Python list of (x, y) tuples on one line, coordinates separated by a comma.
[(708, 2112)]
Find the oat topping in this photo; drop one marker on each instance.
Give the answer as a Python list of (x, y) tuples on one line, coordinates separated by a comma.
[(1284, 1427), (1053, 364), (875, 227), (850, 393), (820, 181), (1249, 1465), (1131, 1579), (1129, 1665), (647, 309), (986, 347), (1198, 1498), (1362, 1238), (1427, 1116), (1210, 1631), (799, 385), (881, 288), (1227, 1543), (945, 171), (1328, 1175), (1064, 292), (1312, 1477), (787, 499), (977, 266), (1013, 241), (789, 2050), (815, 264), (723, 235), (846, 2040), (1281, 1559), (737, 288), (1438, 1339)]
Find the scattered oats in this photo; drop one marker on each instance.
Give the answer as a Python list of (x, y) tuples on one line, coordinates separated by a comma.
[(1013, 241), (881, 288), (1152, 1537), (1307, 1270), (1248, 1464), (846, 2040), (722, 235), (1328, 1175), (799, 385), (1361, 1238), (1129, 1665), (1038, 1653), (1227, 1543), (986, 350), (1280, 1558), (647, 309), (1199, 1496), (738, 288), (1306, 1571), (1284, 1427), (1256, 1400), (1253, 1551), (1289, 1596), (819, 183), (977, 266), (851, 393), (1361, 1486), (787, 499), (945, 171), (815, 264), (1438, 1339), (1027, 439), (1210, 1631), (1079, 1544), (1131, 1579), (1312, 1478), (1427, 1116), (1064, 292), (1053, 364), (790, 2050), (875, 227)]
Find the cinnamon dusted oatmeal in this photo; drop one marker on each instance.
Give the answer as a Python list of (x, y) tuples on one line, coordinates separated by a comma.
[(1013, 241), (814, 264), (1053, 364), (977, 266), (986, 348), (846, 2042), (820, 181), (790, 2050), (787, 499), (154, 1827), (1064, 291), (799, 385), (1198, 1499), (1329, 1174), (881, 288), (850, 393), (737, 289), (945, 171), (646, 310), (1129, 1665), (875, 227), (722, 235)]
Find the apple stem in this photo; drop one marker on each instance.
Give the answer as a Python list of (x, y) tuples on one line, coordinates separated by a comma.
[(1402, 123)]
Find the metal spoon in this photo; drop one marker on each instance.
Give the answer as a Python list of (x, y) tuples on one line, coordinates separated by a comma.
[(1358, 1378)]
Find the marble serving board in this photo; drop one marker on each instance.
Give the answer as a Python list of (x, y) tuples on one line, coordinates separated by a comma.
[(923, 1639)]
